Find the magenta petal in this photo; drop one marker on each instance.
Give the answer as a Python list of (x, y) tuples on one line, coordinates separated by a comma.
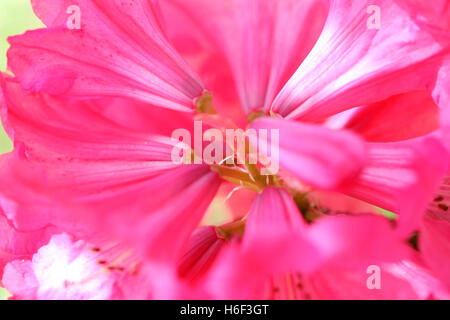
[(334, 246), (156, 215), (357, 240), (52, 128), (252, 37), (24, 202), (276, 227), (204, 246), (402, 177), (434, 243), (353, 65), (120, 51), (317, 156), (397, 118), (15, 245), (436, 13), (405, 280)]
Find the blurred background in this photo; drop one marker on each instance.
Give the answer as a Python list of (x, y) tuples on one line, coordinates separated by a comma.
[(16, 16)]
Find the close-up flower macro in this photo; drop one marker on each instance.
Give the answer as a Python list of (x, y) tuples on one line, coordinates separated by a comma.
[(225, 150)]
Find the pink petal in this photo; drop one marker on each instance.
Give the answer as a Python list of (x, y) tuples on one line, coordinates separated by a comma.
[(176, 220), (275, 228), (20, 280), (275, 221), (338, 202), (159, 224), (204, 246), (317, 156), (436, 12), (203, 56), (15, 245), (251, 36), (120, 51), (404, 280), (402, 177), (434, 241), (397, 118), (142, 117), (352, 65), (353, 241), (53, 129), (24, 201), (441, 89)]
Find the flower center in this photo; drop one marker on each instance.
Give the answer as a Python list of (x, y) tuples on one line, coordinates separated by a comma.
[(240, 170)]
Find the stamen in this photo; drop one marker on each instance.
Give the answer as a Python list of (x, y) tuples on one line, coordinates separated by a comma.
[(232, 192), (226, 159), (204, 104)]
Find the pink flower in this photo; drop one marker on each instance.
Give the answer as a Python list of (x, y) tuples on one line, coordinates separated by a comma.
[(91, 110), (433, 239)]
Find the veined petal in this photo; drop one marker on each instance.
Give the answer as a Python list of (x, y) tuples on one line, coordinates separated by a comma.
[(274, 221), (51, 128), (99, 169), (318, 156), (158, 214), (204, 246), (119, 51), (79, 147), (275, 228), (263, 41), (402, 177), (154, 211), (353, 65)]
